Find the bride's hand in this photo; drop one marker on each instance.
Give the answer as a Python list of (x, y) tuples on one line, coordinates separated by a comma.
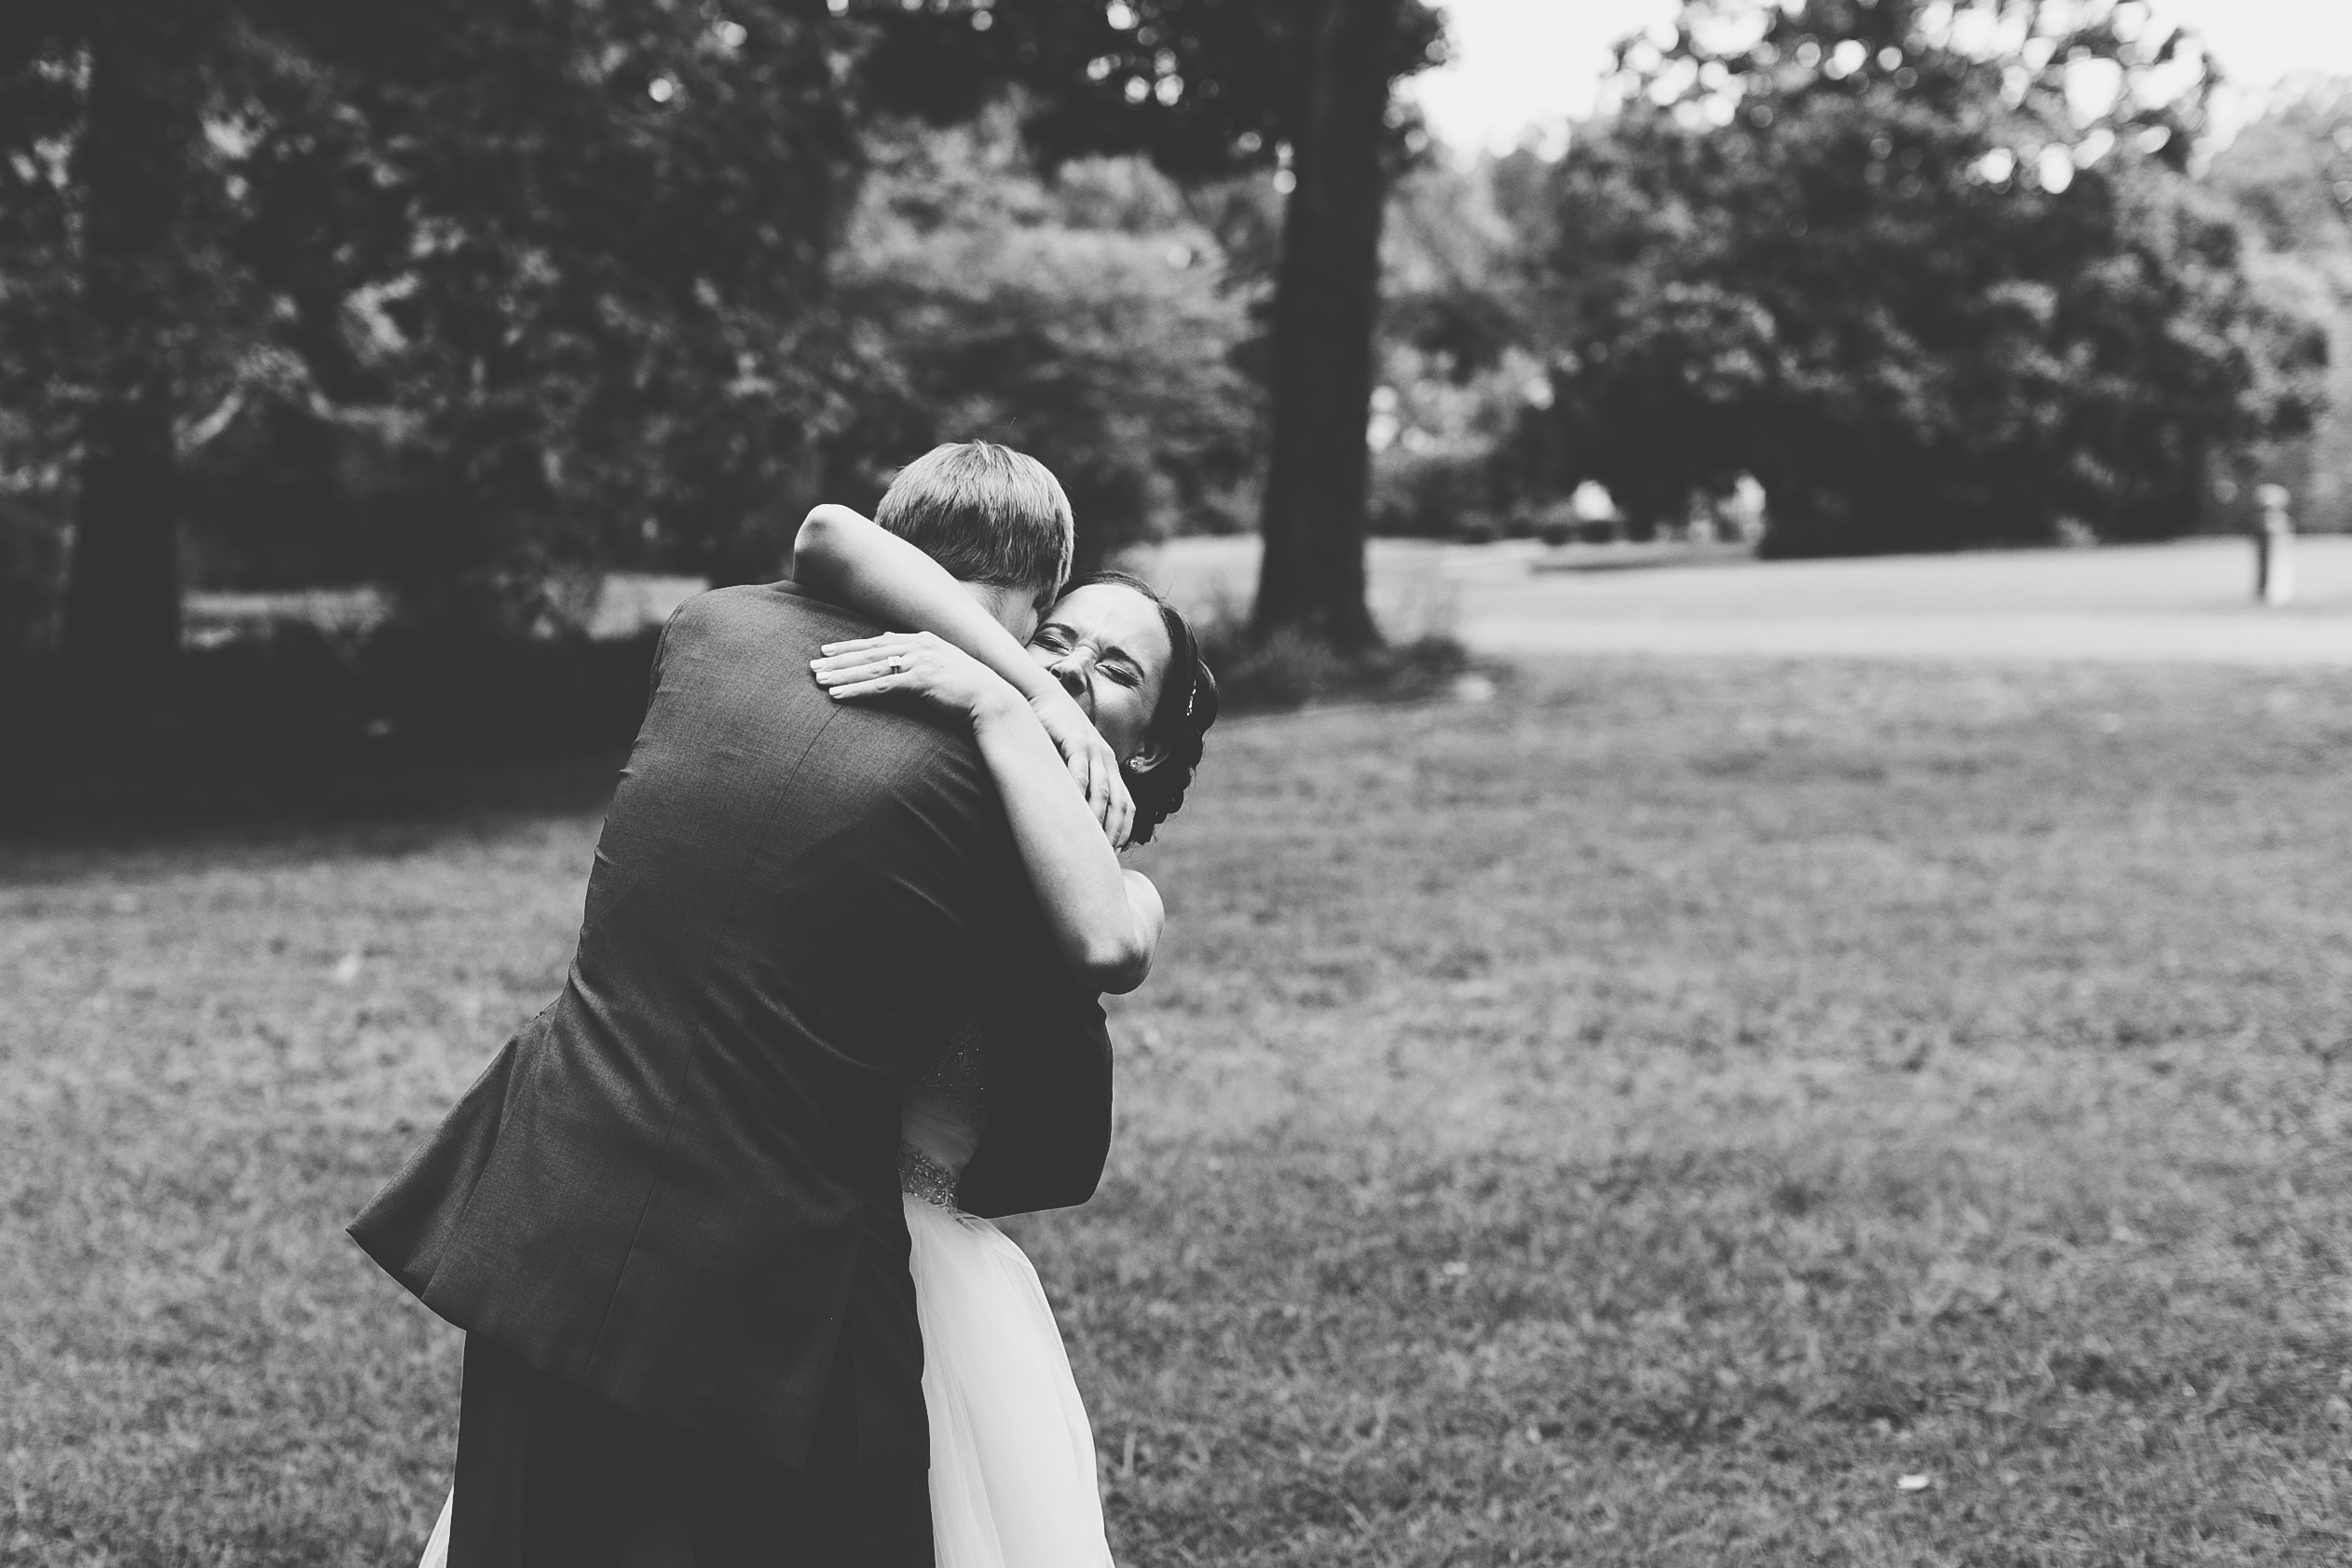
[(914, 664), (1091, 763), (938, 671)]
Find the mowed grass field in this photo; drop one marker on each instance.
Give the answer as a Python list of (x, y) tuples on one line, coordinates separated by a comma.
[(2190, 600), (1642, 1119)]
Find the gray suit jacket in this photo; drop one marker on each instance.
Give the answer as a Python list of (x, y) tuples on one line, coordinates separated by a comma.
[(677, 1186)]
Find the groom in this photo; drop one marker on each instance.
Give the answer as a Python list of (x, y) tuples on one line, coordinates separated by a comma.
[(667, 1216)]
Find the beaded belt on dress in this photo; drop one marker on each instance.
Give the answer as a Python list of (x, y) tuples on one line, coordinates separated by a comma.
[(925, 1177)]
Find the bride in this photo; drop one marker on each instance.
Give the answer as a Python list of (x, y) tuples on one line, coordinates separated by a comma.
[(1013, 1480)]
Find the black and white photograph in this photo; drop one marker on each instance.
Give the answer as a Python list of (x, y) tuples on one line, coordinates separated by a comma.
[(1176, 783)]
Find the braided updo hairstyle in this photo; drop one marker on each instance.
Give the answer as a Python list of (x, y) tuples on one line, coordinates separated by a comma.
[(1179, 720)]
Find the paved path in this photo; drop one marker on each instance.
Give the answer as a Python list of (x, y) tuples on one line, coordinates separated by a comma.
[(2188, 601)]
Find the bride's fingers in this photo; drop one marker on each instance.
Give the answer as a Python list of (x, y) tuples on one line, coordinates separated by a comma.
[(857, 666), (829, 678), (1113, 819), (857, 659), (1104, 796), (866, 688), (1101, 798), (860, 644)]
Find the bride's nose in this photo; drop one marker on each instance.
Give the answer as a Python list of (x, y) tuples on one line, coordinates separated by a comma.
[(1073, 675)]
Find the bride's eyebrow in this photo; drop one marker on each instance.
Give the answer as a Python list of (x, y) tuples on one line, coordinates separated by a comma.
[(1109, 651)]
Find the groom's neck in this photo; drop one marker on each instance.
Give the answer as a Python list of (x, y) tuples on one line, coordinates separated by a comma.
[(1013, 609)]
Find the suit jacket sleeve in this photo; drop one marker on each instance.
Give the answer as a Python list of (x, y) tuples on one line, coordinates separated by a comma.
[(1048, 1087)]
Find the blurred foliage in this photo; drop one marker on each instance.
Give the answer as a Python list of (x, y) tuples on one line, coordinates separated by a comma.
[(1204, 89), (475, 302), (591, 293), (1208, 88), (2288, 174), (463, 300), (298, 694), (1452, 455), (523, 284), (31, 572), (2290, 170), (1932, 273), (1084, 317)]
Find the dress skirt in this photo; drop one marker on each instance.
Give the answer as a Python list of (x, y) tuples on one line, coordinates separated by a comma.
[(1013, 1481)]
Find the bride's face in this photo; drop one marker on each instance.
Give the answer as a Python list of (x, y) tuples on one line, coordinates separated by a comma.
[(1109, 648)]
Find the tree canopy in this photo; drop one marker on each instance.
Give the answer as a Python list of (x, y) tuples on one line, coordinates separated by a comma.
[(1204, 89), (1932, 273), (549, 268), (2288, 174), (1088, 321), (451, 296), (461, 297)]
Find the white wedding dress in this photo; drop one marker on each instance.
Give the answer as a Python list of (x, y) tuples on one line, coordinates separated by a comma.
[(1013, 1481)]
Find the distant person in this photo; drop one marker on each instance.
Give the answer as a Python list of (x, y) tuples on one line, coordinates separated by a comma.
[(674, 1217)]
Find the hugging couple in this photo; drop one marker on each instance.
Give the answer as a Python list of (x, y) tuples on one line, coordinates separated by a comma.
[(715, 1222)]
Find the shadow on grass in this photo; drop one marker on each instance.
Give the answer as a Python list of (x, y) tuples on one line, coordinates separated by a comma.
[(94, 804)]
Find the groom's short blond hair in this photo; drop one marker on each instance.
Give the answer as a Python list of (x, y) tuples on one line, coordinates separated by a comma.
[(986, 512)]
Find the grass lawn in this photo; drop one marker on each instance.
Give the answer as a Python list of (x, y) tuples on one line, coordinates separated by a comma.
[(1639, 1120)]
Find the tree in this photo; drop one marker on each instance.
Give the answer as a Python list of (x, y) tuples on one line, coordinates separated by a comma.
[(1448, 434), (106, 227), (1933, 274), (1208, 88), (2290, 170), (2288, 174), (1081, 320), (554, 266)]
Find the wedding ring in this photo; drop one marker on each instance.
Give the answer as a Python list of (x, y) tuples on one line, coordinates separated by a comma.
[(897, 663)]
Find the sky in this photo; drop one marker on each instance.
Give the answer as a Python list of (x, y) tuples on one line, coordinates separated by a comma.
[(1523, 67)]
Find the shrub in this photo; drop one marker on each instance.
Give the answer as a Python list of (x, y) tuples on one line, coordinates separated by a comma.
[(1087, 322), (1290, 670), (298, 695), (32, 575)]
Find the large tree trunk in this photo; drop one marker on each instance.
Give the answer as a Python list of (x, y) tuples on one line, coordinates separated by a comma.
[(123, 595), (1326, 295)]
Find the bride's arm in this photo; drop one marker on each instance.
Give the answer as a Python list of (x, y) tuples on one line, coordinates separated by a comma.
[(860, 564), (1106, 920)]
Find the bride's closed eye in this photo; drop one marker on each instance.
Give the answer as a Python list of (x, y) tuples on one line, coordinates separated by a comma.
[(1114, 662)]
